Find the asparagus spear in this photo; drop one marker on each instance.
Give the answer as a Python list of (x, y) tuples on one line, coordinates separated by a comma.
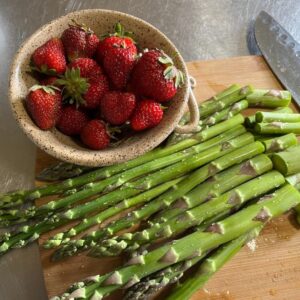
[(135, 188), (268, 117), (277, 128), (269, 98), (167, 198), (224, 114), (109, 171), (209, 107), (220, 95), (280, 143), (251, 120), (217, 185), (190, 246), (62, 170), (287, 162), (64, 237), (224, 162), (191, 217), (211, 265)]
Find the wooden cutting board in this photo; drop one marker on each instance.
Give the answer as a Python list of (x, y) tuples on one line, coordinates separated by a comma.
[(271, 272)]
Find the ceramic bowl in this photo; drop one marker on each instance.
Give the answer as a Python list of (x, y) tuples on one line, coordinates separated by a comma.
[(65, 148)]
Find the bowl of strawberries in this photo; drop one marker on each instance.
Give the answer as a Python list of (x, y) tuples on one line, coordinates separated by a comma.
[(98, 87)]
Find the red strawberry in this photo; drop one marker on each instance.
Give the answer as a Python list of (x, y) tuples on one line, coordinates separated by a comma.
[(155, 76), (44, 105), (97, 89), (50, 58), (147, 114), (117, 108), (79, 41), (72, 120), (117, 53), (88, 67), (94, 135)]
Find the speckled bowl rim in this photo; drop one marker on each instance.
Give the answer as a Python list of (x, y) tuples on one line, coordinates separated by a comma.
[(143, 142)]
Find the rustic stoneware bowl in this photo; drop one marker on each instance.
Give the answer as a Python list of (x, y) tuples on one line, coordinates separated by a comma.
[(64, 147)]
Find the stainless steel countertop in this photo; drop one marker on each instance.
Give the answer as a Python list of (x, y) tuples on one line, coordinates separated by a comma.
[(201, 29)]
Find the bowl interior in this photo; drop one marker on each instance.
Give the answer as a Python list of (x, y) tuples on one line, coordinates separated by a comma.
[(64, 147)]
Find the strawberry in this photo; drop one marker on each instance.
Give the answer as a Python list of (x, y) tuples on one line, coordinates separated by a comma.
[(84, 91), (97, 89), (147, 114), (50, 58), (79, 41), (88, 67), (117, 53), (155, 76), (94, 135), (72, 120), (44, 105), (117, 108)]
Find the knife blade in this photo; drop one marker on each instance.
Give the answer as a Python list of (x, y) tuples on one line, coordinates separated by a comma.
[(281, 51)]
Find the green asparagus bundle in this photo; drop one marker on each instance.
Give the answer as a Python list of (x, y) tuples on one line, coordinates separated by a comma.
[(195, 216), (107, 172), (98, 218), (176, 170), (218, 159), (167, 198), (269, 98), (190, 246), (216, 186)]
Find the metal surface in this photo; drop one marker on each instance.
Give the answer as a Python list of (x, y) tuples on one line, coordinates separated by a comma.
[(281, 51), (201, 29)]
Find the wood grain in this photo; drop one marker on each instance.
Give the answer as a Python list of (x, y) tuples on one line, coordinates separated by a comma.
[(272, 272)]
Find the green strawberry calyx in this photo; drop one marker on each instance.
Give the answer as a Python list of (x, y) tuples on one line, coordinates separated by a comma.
[(42, 69), (49, 89), (119, 31), (74, 86), (171, 72)]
